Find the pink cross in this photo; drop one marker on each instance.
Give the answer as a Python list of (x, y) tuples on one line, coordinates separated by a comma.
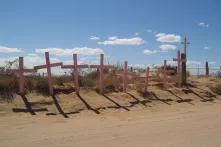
[(48, 66), (101, 67), (20, 71)]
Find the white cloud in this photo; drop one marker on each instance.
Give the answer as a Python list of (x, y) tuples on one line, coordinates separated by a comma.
[(169, 38), (122, 41), (206, 48), (136, 34), (94, 38), (69, 52), (150, 52), (149, 30), (167, 47), (203, 24), (193, 62), (4, 49)]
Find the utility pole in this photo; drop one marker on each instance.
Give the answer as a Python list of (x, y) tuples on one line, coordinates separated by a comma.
[(184, 60), (185, 43)]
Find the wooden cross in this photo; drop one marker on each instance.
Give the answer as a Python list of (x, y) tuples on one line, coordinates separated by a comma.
[(20, 71), (125, 74), (48, 66), (101, 67)]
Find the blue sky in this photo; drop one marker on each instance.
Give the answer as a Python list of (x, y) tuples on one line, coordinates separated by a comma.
[(144, 32)]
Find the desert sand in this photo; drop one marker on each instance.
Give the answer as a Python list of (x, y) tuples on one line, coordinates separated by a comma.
[(179, 117)]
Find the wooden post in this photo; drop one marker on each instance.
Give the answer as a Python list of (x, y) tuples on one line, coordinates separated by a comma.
[(147, 79), (48, 67), (99, 67), (165, 74), (183, 59), (207, 68), (125, 77), (49, 73), (21, 75), (101, 82), (76, 73), (20, 72), (178, 68)]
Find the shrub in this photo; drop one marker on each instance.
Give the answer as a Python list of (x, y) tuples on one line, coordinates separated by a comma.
[(59, 81), (42, 86), (8, 87), (112, 83), (89, 80)]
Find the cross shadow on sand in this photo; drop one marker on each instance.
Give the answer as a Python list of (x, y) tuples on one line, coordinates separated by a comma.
[(189, 90), (152, 96), (180, 99), (87, 104), (137, 101), (28, 106), (114, 102)]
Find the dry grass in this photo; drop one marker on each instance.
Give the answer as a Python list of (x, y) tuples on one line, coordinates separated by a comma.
[(8, 87)]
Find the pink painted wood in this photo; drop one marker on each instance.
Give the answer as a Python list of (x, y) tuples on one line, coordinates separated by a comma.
[(178, 68), (21, 75), (21, 78), (76, 73), (101, 67), (147, 79), (101, 81), (125, 77), (165, 74), (48, 67)]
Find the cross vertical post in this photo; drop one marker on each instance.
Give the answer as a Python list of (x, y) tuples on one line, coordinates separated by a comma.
[(147, 79), (165, 74), (21, 75), (76, 73), (178, 68), (125, 77), (49, 73), (101, 82)]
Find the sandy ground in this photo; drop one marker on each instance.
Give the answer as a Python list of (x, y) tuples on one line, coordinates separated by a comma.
[(179, 117)]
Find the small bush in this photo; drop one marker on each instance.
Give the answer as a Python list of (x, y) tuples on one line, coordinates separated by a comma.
[(42, 86), (8, 87), (112, 83), (89, 80), (59, 81)]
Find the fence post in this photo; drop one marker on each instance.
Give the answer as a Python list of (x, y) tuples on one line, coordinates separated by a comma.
[(207, 68)]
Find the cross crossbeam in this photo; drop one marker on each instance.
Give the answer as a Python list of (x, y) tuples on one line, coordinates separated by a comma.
[(21, 78), (101, 67), (48, 66)]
